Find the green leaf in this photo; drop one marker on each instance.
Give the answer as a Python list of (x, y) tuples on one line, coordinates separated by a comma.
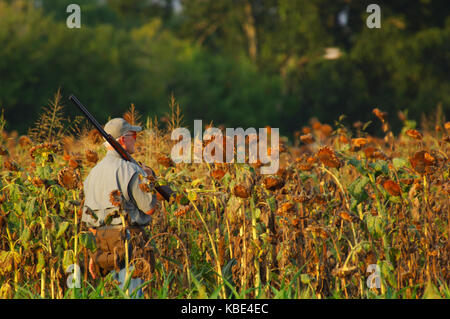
[(184, 200), (380, 166), (41, 262), (304, 176), (356, 189), (358, 165), (374, 225), (226, 180), (399, 162), (87, 240), (62, 229), (25, 237), (272, 204), (67, 259)]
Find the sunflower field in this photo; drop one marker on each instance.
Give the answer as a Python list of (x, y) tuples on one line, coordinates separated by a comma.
[(345, 207)]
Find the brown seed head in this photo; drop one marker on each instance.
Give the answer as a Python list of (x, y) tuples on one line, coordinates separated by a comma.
[(326, 130), (91, 156), (24, 140), (327, 156), (392, 188), (447, 126), (36, 181), (218, 174), (272, 183), (116, 198), (372, 152), (306, 130), (414, 134), (69, 178), (345, 216), (307, 138), (43, 148), (11, 165), (241, 191), (421, 160), (359, 142), (164, 160)]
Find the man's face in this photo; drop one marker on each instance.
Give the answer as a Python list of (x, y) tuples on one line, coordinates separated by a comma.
[(128, 140)]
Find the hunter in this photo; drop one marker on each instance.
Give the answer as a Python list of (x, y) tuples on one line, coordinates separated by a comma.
[(116, 175)]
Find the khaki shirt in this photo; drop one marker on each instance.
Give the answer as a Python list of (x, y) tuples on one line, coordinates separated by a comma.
[(110, 174)]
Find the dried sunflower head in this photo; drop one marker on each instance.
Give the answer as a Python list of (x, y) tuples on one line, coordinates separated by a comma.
[(327, 156), (372, 152), (422, 161), (357, 143), (307, 138), (116, 198), (91, 156), (69, 178), (345, 216), (24, 140), (241, 191), (447, 126), (164, 160), (11, 165), (74, 163), (43, 149), (272, 183), (414, 134), (392, 188), (326, 130), (218, 173), (36, 181)]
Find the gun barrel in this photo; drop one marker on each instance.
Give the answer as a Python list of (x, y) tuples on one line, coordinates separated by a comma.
[(165, 191)]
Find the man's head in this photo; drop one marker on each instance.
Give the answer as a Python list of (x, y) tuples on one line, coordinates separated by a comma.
[(123, 132)]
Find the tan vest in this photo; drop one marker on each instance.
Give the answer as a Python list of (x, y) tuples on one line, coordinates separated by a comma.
[(110, 174)]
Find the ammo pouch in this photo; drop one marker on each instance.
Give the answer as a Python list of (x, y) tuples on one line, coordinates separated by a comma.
[(110, 253)]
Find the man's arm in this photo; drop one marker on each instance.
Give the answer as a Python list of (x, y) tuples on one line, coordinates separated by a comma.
[(145, 202)]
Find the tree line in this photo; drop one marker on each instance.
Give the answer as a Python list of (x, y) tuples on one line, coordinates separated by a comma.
[(240, 63)]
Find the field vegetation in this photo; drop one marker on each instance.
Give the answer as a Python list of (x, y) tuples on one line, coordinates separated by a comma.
[(342, 200)]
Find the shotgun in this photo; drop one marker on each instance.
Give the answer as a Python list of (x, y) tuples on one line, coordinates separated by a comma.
[(163, 190)]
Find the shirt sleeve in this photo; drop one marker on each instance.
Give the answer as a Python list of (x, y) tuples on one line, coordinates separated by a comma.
[(145, 202)]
